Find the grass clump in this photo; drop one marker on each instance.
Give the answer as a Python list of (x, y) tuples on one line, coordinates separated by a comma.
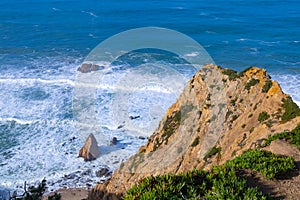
[(213, 151), (268, 164), (232, 75), (263, 116), (220, 183), (292, 137), (291, 109), (267, 86), (251, 83), (196, 141)]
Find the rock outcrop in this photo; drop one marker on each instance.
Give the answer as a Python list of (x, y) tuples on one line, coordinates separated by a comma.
[(88, 67), (219, 114), (90, 150)]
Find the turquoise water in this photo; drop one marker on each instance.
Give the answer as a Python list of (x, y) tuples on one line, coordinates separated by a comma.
[(43, 42)]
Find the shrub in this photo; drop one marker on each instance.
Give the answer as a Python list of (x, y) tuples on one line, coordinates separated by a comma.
[(251, 83), (244, 71), (232, 75), (219, 183), (195, 142), (213, 151), (268, 164), (291, 109), (263, 116), (267, 86), (293, 137)]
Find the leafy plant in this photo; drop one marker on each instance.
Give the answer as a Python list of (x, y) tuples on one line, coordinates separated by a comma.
[(196, 141), (220, 183), (213, 151), (251, 83), (268, 84), (268, 164), (293, 137), (291, 109), (263, 116), (244, 71), (232, 75)]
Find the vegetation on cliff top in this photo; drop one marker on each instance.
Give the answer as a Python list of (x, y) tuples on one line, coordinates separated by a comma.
[(291, 109), (292, 137), (221, 182)]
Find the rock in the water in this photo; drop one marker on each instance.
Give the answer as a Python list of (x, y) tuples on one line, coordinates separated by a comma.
[(113, 141), (103, 172), (90, 150), (88, 67)]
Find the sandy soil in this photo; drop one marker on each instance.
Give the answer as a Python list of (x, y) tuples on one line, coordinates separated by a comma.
[(71, 194)]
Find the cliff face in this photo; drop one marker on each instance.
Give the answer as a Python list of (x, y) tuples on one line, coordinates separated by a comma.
[(218, 115)]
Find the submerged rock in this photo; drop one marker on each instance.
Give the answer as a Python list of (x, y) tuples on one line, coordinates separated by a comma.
[(113, 141), (90, 150), (88, 67)]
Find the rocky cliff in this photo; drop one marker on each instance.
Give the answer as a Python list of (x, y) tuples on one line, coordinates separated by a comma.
[(219, 114)]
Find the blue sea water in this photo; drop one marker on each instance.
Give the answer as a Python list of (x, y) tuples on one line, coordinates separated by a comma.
[(42, 43)]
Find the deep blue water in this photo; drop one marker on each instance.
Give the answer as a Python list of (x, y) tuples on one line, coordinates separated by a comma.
[(42, 42)]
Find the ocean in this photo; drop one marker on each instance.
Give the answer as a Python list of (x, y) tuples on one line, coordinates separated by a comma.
[(42, 43)]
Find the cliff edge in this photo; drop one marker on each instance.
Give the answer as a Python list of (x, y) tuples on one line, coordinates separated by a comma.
[(219, 114)]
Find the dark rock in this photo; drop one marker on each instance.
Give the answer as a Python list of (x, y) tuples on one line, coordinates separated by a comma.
[(142, 138), (134, 117), (103, 172), (113, 141), (121, 126), (72, 139), (88, 67)]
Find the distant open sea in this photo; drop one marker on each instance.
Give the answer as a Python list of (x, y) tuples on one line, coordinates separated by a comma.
[(42, 43)]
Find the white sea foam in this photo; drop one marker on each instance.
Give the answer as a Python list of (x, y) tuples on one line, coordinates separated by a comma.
[(36, 80), (192, 54), (19, 121)]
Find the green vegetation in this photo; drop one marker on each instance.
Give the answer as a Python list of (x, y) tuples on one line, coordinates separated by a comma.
[(233, 101), (171, 124), (196, 141), (220, 183), (232, 75), (244, 71), (213, 151), (234, 117), (292, 137), (267, 86), (291, 109), (268, 164), (263, 116), (251, 130), (36, 193), (251, 83), (244, 125)]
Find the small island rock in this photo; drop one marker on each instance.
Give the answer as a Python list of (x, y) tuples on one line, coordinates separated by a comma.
[(90, 150)]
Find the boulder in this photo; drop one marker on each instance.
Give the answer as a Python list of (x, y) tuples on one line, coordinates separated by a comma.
[(88, 67), (113, 141), (90, 150)]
